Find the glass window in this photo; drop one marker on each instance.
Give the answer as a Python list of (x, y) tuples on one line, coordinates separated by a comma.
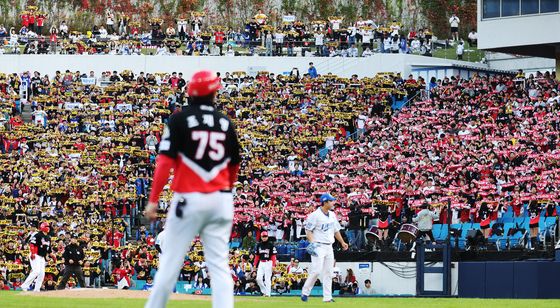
[(548, 6), (490, 8), (529, 7), (510, 8)]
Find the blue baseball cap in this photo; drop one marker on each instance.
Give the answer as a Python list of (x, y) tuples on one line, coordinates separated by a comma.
[(326, 197)]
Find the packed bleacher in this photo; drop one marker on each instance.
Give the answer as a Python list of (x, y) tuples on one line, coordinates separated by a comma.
[(486, 146), (195, 34)]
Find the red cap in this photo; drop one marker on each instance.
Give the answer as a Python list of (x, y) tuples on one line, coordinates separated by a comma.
[(203, 83), (264, 233), (44, 227)]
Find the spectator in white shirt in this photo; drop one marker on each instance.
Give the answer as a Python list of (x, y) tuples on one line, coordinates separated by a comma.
[(368, 289), (553, 98), (367, 39), (40, 117), (473, 38), (63, 30), (415, 45), (230, 52), (102, 32), (353, 51), (454, 23), (361, 124), (460, 50), (367, 53), (162, 51), (319, 42), (296, 268)]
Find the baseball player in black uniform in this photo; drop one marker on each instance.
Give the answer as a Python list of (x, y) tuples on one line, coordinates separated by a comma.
[(39, 248), (73, 257), (265, 259), (201, 145)]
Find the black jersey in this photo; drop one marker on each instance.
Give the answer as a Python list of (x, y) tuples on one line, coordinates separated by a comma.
[(43, 243), (265, 250), (204, 143)]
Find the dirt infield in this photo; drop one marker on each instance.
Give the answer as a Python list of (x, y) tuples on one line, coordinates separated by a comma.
[(109, 293)]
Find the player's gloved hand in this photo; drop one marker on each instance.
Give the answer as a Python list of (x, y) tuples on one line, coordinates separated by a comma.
[(312, 249), (32, 256), (151, 211)]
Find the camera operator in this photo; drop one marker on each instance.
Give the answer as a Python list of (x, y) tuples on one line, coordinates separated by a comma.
[(354, 231)]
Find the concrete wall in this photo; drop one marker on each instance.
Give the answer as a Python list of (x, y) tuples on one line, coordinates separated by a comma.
[(504, 61), (48, 64)]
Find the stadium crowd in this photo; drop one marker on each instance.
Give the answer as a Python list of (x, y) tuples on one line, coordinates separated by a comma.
[(83, 161), (194, 35)]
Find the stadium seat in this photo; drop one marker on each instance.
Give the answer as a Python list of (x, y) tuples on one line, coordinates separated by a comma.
[(453, 239), (282, 250), (524, 210), (502, 241), (519, 221), (442, 235), (550, 221), (507, 219), (436, 229)]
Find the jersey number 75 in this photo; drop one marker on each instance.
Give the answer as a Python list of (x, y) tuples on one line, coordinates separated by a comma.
[(211, 142)]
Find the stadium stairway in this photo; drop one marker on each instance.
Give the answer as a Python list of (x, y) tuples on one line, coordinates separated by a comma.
[(26, 113)]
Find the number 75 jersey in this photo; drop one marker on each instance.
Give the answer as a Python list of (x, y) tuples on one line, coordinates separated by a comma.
[(204, 145)]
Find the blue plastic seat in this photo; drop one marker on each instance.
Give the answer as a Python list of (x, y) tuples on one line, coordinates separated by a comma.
[(436, 229), (542, 221), (525, 212), (503, 239), (519, 220), (550, 221), (507, 219), (443, 232), (281, 249)]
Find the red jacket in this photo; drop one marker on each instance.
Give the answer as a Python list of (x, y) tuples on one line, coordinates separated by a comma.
[(219, 36), (25, 20)]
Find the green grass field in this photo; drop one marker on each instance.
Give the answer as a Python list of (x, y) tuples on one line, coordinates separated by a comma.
[(12, 299)]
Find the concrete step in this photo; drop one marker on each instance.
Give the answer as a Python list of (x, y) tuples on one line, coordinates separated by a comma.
[(26, 113)]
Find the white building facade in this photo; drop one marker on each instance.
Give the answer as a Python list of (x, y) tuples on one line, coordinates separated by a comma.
[(523, 27)]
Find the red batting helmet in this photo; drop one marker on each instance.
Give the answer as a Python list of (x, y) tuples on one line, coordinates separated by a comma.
[(203, 83), (44, 227)]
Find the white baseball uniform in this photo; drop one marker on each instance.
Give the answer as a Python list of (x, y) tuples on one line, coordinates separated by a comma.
[(264, 277), (37, 272), (323, 227), (160, 240), (211, 216), (42, 242), (266, 254)]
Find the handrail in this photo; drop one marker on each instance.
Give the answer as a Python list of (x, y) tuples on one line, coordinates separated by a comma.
[(422, 91)]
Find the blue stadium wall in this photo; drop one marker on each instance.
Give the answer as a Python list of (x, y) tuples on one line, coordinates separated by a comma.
[(497, 279), (523, 279)]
